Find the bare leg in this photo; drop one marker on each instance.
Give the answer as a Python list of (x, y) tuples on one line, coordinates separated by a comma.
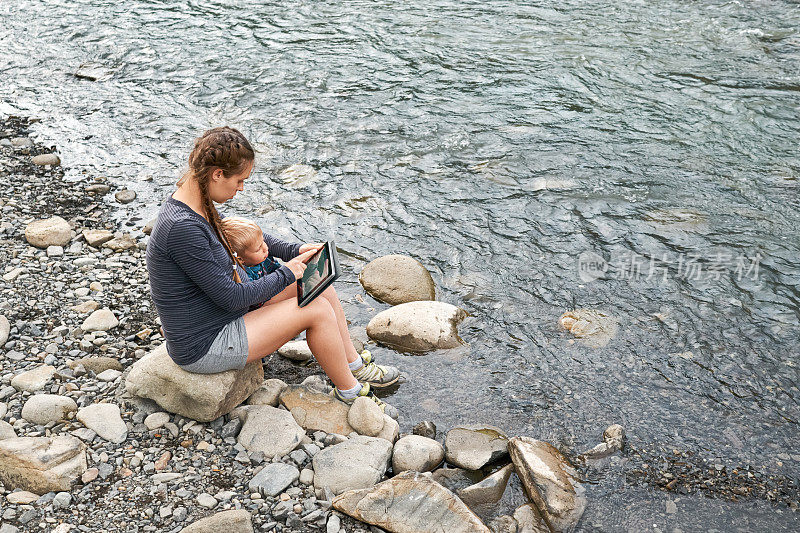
[(330, 295), (272, 326)]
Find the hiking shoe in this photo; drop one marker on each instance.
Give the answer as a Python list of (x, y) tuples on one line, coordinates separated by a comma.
[(367, 392), (378, 376)]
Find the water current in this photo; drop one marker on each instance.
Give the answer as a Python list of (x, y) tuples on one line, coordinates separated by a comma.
[(502, 144)]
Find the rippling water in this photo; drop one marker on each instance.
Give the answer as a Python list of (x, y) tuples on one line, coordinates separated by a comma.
[(496, 142)]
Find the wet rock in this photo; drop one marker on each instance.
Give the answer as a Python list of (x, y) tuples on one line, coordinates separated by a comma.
[(410, 503), (416, 453), (529, 520), (592, 328), (105, 420), (474, 446), (100, 320), (397, 279), (46, 159), (97, 237), (418, 326), (268, 393), (201, 397), (366, 417), (270, 431), (6, 430), (121, 243), (273, 479), (316, 410), (93, 71), (42, 409), (550, 482), (125, 196), (5, 328), (97, 363), (33, 380), (296, 351), (425, 428), (54, 231), (503, 524), (490, 490), (236, 521), (298, 175), (614, 435), (357, 463), (41, 464)]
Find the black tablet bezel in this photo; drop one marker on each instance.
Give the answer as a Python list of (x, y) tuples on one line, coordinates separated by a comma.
[(324, 284)]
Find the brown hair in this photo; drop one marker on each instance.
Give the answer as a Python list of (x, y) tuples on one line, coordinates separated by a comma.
[(222, 148), (242, 233)]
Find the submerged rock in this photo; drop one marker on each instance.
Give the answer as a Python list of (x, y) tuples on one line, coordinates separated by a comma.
[(298, 175), (54, 231), (474, 446), (316, 410), (356, 463), (550, 482), (410, 503), (41, 464), (418, 326), (201, 397), (397, 279), (592, 328)]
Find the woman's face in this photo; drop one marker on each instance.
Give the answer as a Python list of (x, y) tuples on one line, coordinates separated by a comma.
[(222, 189)]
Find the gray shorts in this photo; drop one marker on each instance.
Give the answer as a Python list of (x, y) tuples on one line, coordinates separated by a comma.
[(227, 352)]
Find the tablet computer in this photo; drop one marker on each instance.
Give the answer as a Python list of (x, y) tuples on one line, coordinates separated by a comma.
[(321, 270)]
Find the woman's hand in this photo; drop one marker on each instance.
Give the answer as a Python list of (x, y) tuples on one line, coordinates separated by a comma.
[(298, 264), (311, 246)]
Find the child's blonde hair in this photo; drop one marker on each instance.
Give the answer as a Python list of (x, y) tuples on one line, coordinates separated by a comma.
[(242, 233)]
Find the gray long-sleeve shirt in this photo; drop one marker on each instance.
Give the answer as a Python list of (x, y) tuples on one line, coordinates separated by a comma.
[(191, 280)]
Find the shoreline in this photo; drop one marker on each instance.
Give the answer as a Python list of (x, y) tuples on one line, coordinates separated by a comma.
[(43, 330)]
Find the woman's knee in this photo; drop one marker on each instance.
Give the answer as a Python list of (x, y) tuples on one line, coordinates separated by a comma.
[(320, 309)]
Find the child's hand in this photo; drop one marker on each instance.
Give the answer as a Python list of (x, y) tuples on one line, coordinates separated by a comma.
[(311, 246), (298, 264)]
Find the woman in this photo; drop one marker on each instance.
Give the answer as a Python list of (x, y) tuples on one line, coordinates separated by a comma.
[(197, 284)]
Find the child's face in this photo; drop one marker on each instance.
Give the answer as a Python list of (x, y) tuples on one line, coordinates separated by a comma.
[(255, 254)]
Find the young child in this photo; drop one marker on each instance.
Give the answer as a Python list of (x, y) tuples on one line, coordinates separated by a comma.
[(247, 240)]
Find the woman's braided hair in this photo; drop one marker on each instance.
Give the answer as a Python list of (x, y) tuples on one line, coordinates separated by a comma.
[(222, 148)]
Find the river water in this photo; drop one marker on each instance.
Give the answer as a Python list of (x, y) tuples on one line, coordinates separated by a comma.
[(498, 143)]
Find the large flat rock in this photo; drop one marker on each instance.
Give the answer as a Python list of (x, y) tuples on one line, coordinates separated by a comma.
[(550, 482), (41, 464), (474, 446), (356, 463), (410, 503), (316, 410), (418, 326), (201, 397)]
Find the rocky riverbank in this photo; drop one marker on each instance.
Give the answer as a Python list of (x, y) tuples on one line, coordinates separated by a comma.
[(99, 431)]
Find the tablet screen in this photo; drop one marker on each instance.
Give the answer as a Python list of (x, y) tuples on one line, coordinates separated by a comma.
[(318, 270)]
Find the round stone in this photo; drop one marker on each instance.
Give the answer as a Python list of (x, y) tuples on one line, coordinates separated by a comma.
[(397, 279)]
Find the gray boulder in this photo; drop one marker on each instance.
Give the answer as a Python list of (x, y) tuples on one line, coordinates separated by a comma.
[(270, 431), (41, 464), (418, 326), (550, 481), (357, 463), (397, 279), (416, 453), (54, 231), (42, 409), (236, 521), (474, 446), (201, 397), (410, 503)]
